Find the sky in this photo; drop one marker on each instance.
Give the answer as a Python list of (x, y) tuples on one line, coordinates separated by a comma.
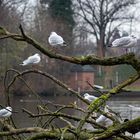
[(131, 28)]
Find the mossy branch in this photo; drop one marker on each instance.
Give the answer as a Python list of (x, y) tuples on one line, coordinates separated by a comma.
[(82, 60), (115, 130), (103, 98), (74, 118), (7, 87), (50, 77), (129, 59), (68, 135)]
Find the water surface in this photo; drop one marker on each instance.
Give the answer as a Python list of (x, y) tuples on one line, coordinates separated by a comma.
[(118, 104)]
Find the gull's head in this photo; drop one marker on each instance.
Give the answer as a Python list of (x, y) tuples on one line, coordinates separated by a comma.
[(37, 54), (53, 33), (86, 94), (9, 108)]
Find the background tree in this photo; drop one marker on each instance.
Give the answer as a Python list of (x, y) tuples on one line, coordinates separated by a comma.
[(9, 16), (60, 19), (101, 16), (42, 25), (45, 21), (70, 131)]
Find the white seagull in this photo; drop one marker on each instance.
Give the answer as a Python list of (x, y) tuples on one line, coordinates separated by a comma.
[(104, 120), (98, 87), (125, 42), (88, 97), (34, 59), (55, 40), (5, 113)]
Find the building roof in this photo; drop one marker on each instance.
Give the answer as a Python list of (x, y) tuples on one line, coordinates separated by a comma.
[(79, 68)]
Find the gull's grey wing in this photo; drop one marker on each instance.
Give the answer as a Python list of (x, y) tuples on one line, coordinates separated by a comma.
[(101, 118), (3, 112), (121, 42), (56, 40), (92, 97), (31, 59)]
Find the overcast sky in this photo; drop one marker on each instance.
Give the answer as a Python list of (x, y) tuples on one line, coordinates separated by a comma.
[(135, 25)]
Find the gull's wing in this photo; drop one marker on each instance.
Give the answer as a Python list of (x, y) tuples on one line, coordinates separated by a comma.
[(3, 112), (101, 119), (90, 97), (121, 42), (55, 40), (108, 122), (31, 59)]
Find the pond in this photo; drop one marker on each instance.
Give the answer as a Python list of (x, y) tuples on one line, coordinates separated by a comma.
[(118, 104)]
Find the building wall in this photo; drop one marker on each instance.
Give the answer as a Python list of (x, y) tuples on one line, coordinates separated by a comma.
[(90, 78), (78, 81)]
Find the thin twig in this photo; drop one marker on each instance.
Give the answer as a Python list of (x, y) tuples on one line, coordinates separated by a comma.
[(94, 88)]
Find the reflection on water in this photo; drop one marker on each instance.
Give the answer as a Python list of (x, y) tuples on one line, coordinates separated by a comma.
[(121, 105), (22, 120)]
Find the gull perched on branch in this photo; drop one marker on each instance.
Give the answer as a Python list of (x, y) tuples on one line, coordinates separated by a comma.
[(104, 120), (55, 40), (89, 97), (34, 59), (5, 113), (125, 42)]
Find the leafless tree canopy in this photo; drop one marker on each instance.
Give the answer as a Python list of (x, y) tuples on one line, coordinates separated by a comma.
[(100, 16), (70, 132)]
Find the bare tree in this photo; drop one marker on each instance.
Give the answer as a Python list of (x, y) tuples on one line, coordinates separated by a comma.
[(11, 14), (100, 16), (70, 132)]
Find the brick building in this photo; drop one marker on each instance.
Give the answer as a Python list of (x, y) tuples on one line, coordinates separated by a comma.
[(79, 77)]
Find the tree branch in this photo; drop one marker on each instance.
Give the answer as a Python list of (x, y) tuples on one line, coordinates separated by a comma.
[(82, 60), (62, 115), (103, 98)]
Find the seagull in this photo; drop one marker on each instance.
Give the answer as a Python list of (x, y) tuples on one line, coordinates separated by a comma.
[(125, 42), (88, 97), (55, 40), (34, 59), (6, 112), (104, 120), (98, 87)]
